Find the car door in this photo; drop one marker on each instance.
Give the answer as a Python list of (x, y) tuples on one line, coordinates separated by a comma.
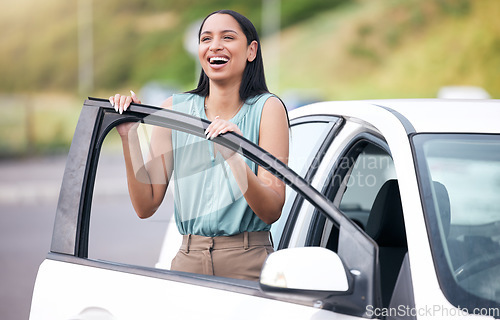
[(102, 258)]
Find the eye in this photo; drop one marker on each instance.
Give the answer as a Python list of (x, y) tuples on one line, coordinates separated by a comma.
[(204, 39), (228, 37)]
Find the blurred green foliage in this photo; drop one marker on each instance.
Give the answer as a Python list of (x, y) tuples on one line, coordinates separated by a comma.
[(336, 49), (135, 41), (394, 49)]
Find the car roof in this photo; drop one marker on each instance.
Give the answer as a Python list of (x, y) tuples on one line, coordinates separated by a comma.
[(421, 115)]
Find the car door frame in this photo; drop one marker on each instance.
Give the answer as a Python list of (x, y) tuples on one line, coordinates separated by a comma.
[(71, 228)]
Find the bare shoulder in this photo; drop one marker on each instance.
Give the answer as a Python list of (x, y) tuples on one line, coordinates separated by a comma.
[(168, 103), (274, 112), (274, 104), (274, 129)]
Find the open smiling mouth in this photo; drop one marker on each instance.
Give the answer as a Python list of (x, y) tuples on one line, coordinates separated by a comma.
[(218, 60)]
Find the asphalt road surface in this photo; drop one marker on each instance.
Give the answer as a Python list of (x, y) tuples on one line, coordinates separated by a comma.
[(29, 190), (28, 198)]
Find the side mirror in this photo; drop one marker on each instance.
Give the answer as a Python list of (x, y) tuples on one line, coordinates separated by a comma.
[(313, 273)]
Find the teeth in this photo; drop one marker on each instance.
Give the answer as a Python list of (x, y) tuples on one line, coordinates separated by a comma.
[(218, 59)]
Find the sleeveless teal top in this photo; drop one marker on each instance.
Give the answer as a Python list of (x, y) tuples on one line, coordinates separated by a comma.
[(208, 201)]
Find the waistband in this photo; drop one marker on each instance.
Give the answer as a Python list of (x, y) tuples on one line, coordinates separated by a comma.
[(241, 240)]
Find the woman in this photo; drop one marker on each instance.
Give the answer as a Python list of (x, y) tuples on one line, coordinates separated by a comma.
[(233, 239)]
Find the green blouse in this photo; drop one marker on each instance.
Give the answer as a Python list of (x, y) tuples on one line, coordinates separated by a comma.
[(208, 201)]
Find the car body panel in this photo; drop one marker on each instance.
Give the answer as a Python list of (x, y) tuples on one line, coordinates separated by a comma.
[(120, 295), (424, 115)]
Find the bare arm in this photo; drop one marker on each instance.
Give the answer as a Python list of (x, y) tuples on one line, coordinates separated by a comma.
[(147, 180), (264, 193)]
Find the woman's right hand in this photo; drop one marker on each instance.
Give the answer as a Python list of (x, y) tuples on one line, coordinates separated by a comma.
[(121, 103), (124, 128)]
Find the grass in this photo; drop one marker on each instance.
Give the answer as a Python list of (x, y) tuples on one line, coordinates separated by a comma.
[(393, 49)]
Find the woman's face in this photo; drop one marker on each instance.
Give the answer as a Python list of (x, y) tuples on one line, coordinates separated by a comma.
[(223, 49)]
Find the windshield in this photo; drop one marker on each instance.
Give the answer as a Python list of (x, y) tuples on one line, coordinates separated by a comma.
[(460, 182)]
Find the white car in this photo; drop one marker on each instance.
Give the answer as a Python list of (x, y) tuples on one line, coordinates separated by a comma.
[(392, 211)]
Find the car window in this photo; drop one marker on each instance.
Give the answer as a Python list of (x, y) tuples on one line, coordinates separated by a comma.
[(117, 234), (460, 178), (371, 169), (353, 185), (364, 185), (372, 200), (306, 138)]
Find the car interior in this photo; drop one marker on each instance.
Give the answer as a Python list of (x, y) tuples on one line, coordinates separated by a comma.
[(386, 226), (372, 200)]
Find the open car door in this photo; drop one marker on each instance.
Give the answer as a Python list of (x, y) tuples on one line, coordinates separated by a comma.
[(99, 265)]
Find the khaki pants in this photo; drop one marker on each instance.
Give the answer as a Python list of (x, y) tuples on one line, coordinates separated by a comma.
[(240, 256)]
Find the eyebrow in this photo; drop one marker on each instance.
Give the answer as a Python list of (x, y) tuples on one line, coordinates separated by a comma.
[(223, 31)]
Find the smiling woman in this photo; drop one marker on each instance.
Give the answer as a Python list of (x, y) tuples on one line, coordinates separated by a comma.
[(232, 94), (224, 49)]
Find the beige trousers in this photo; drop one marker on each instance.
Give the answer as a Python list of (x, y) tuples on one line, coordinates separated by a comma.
[(240, 256)]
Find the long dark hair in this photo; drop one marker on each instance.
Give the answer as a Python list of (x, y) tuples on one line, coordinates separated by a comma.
[(253, 82)]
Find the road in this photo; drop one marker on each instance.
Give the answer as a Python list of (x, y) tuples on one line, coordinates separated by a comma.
[(29, 190), (28, 200)]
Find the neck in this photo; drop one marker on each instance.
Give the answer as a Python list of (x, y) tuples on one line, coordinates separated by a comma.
[(223, 101)]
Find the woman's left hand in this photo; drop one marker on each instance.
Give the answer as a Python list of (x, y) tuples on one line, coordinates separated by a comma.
[(220, 126)]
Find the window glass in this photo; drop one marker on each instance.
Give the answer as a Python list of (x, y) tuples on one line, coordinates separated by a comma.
[(305, 140), (117, 234), (460, 175), (372, 168), (372, 200)]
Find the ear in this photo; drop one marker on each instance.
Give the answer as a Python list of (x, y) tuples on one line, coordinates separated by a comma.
[(252, 51)]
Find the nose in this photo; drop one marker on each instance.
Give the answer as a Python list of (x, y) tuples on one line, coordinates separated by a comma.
[(215, 45)]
